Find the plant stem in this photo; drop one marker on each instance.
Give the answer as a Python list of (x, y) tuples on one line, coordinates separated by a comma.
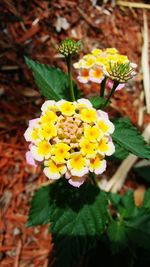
[(69, 66), (111, 93), (93, 178), (102, 89)]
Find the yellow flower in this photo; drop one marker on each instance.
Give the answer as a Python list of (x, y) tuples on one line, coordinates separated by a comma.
[(48, 117), (106, 126), (53, 170), (67, 108), (96, 75), (97, 165), (60, 152), (88, 149), (47, 131), (49, 105), (41, 150), (77, 164), (70, 138), (31, 134), (96, 52), (92, 133), (88, 115), (89, 61), (111, 51), (106, 147)]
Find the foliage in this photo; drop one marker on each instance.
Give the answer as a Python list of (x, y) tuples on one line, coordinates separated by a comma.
[(86, 222)]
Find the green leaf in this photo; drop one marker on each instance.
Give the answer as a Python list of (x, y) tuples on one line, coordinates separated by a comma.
[(40, 207), (138, 229), (117, 235), (146, 202), (78, 217), (52, 82), (78, 223), (127, 136), (120, 152), (97, 101), (143, 172), (127, 208)]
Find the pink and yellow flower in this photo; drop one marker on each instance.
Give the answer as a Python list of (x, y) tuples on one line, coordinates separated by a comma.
[(71, 139)]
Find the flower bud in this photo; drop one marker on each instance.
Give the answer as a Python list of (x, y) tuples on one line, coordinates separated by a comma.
[(69, 47)]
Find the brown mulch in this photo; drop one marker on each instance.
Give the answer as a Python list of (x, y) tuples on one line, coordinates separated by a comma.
[(32, 28)]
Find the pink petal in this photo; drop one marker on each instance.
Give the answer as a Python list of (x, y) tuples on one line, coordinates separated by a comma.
[(30, 160), (77, 182), (82, 79), (119, 87), (102, 114), (33, 122)]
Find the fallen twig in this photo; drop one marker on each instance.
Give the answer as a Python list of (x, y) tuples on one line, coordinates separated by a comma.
[(118, 179), (145, 63), (134, 5)]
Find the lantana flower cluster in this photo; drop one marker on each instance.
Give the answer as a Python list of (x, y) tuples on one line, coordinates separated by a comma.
[(71, 139), (99, 64)]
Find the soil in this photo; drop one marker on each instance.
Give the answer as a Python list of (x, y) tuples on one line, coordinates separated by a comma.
[(34, 29)]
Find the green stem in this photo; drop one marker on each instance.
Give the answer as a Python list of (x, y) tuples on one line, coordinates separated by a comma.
[(111, 93), (102, 89), (93, 179), (69, 66)]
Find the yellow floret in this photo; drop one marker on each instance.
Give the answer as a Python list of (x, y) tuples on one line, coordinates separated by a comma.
[(48, 131), (92, 133), (53, 170), (97, 165), (77, 164), (111, 51), (96, 52), (88, 149), (66, 108), (103, 146), (35, 134), (103, 126), (43, 148), (60, 152), (88, 115), (48, 117)]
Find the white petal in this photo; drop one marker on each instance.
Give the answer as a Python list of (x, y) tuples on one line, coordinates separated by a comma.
[(101, 168), (111, 149), (79, 173), (77, 183), (50, 174), (47, 104), (85, 102), (102, 114), (27, 134), (82, 79), (35, 155), (34, 122)]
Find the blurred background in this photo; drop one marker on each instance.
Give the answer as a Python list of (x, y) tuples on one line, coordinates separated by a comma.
[(34, 29)]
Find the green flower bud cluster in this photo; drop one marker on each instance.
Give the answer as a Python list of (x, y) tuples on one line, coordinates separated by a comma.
[(121, 72), (69, 47)]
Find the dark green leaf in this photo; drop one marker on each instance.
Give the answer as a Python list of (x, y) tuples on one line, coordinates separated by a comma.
[(146, 202), (52, 82), (127, 136), (79, 219), (97, 101), (120, 152), (117, 235), (127, 208), (138, 229), (40, 207), (143, 172)]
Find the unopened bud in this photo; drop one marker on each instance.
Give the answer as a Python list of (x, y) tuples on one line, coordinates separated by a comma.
[(69, 47)]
